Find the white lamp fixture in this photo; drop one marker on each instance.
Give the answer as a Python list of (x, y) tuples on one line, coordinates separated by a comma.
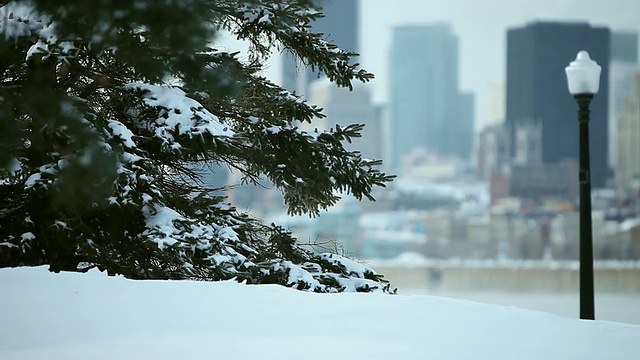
[(583, 75)]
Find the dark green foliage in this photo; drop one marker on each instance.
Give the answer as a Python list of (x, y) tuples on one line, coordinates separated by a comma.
[(106, 109)]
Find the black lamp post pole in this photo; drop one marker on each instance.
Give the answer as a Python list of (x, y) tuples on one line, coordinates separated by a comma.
[(586, 242)]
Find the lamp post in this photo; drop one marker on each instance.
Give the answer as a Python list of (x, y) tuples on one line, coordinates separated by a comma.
[(583, 78)]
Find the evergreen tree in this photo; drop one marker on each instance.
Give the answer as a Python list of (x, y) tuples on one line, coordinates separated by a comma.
[(106, 108)]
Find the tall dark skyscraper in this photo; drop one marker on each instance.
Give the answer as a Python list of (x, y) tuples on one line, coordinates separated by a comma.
[(340, 25), (541, 114), (427, 110)]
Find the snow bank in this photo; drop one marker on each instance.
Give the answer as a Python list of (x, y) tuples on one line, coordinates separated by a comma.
[(92, 316)]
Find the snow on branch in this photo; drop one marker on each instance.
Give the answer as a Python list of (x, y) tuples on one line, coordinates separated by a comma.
[(336, 274), (180, 113), (19, 19)]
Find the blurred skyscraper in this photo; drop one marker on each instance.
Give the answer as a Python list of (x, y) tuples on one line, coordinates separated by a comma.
[(541, 114), (490, 150), (628, 140), (344, 107), (341, 25), (496, 106), (426, 110), (624, 63)]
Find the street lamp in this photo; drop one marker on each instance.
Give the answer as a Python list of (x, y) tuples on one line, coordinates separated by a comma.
[(583, 77)]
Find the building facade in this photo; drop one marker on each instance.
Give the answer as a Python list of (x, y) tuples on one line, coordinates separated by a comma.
[(343, 107), (623, 66), (341, 26), (460, 144), (545, 181), (426, 110), (491, 151), (538, 99), (628, 144)]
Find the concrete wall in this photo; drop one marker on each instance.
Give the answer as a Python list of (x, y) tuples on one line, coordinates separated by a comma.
[(480, 277)]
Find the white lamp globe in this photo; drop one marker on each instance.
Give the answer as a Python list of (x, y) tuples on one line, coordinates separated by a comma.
[(583, 75)]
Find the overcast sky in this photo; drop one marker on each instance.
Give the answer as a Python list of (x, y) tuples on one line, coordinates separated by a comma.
[(481, 26)]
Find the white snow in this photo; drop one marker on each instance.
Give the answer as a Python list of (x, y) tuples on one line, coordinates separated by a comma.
[(32, 180), (265, 19), (131, 158), (66, 47), (93, 316), (219, 258), (35, 178), (19, 19), (411, 259), (183, 114), (37, 48), (162, 218), (273, 129), (350, 265), (629, 224), (122, 131), (297, 273), (27, 236), (61, 224)]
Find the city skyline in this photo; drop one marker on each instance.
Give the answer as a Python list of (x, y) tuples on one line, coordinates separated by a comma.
[(482, 30)]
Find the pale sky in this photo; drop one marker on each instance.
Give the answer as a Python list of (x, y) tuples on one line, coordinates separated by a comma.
[(481, 27)]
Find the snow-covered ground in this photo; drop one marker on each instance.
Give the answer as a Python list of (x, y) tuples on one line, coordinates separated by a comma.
[(93, 316)]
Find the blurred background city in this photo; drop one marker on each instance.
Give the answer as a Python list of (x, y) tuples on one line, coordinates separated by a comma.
[(470, 108)]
